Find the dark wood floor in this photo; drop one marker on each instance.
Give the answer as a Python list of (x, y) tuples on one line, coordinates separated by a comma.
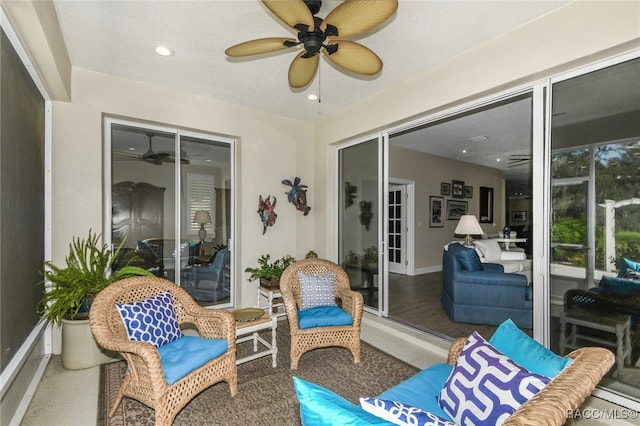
[(415, 300)]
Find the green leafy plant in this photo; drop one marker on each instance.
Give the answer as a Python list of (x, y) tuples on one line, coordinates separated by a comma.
[(269, 270), (86, 273)]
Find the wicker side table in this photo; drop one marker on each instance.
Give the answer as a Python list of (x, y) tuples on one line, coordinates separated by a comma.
[(618, 325)]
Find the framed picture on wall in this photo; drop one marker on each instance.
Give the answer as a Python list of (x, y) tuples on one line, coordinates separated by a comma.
[(445, 188), (456, 208), (457, 189), (468, 191), (436, 210), (519, 216)]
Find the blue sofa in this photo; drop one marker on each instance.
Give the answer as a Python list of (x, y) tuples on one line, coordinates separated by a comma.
[(481, 293)]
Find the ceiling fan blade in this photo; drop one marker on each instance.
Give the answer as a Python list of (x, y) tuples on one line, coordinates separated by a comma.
[(291, 12), (302, 70), (357, 16), (262, 45), (355, 57)]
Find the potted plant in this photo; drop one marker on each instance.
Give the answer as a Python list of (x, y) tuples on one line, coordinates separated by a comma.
[(269, 273), (70, 291)]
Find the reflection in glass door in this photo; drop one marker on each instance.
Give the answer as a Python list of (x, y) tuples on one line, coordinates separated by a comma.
[(171, 201), (359, 205)]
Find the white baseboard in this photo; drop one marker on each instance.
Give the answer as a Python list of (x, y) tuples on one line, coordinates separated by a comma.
[(427, 270)]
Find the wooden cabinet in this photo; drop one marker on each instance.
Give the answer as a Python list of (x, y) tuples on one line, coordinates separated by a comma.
[(137, 212)]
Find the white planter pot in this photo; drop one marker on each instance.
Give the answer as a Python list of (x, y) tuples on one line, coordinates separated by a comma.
[(79, 348)]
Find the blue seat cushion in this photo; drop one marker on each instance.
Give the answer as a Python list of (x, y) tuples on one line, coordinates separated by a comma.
[(322, 407), (188, 353), (422, 389), (323, 316)]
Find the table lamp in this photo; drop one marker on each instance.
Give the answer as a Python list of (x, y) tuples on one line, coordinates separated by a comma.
[(202, 217), (468, 225)]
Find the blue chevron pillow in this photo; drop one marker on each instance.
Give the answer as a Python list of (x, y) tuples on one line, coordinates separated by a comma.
[(485, 386)]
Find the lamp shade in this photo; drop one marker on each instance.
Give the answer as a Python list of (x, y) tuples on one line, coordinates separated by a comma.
[(468, 225), (201, 217)]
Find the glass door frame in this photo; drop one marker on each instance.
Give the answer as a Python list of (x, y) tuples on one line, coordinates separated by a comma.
[(381, 214), (178, 134)]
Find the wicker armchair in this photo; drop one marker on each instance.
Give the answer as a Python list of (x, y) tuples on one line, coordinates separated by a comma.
[(304, 340), (145, 380), (566, 392)]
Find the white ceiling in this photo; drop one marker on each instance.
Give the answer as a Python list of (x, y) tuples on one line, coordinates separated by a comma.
[(118, 38)]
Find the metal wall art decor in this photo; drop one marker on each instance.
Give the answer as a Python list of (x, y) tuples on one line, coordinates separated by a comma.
[(365, 213), (298, 195), (266, 211)]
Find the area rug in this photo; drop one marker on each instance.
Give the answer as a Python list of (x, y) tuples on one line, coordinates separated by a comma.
[(265, 395)]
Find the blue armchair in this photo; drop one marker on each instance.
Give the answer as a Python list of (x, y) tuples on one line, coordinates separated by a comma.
[(481, 293), (211, 282)]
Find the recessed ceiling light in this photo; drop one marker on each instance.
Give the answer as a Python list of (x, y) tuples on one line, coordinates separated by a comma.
[(478, 138), (164, 51), (312, 97), (131, 148), (498, 160), (464, 151)]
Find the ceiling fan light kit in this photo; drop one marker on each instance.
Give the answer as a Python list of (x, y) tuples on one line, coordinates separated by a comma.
[(326, 36)]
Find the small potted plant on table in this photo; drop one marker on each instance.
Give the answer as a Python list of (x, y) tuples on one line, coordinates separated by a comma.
[(269, 273)]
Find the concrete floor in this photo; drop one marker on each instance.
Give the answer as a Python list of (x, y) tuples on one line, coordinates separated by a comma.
[(70, 397)]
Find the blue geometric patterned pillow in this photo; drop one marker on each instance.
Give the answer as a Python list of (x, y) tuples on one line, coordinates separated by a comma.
[(485, 386), (152, 320), (317, 290), (401, 414)]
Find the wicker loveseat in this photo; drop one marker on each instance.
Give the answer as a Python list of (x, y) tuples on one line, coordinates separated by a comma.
[(571, 381)]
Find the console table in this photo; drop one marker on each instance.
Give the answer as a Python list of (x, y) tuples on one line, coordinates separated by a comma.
[(507, 241)]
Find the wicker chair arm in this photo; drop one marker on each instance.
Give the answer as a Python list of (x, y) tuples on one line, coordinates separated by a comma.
[(290, 307), (567, 391), (455, 349), (214, 323), (352, 303)]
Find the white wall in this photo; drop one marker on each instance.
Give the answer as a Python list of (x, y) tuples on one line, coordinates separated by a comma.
[(269, 149)]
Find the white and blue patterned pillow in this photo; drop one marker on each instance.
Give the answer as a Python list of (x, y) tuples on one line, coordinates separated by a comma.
[(485, 386), (401, 414), (317, 290), (152, 320)]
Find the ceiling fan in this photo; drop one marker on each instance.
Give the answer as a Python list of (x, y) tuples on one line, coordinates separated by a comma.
[(155, 158), (352, 17)]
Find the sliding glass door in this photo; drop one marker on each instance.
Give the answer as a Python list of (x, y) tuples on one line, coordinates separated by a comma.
[(595, 216), (359, 219), (169, 198)]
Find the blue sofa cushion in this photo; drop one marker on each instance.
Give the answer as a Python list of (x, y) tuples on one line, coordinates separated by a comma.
[(422, 389), (526, 352), (486, 387), (323, 316), (619, 287), (152, 320), (184, 355), (320, 407), (402, 414), (468, 257)]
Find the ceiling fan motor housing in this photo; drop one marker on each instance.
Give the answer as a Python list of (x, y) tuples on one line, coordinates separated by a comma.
[(313, 5)]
